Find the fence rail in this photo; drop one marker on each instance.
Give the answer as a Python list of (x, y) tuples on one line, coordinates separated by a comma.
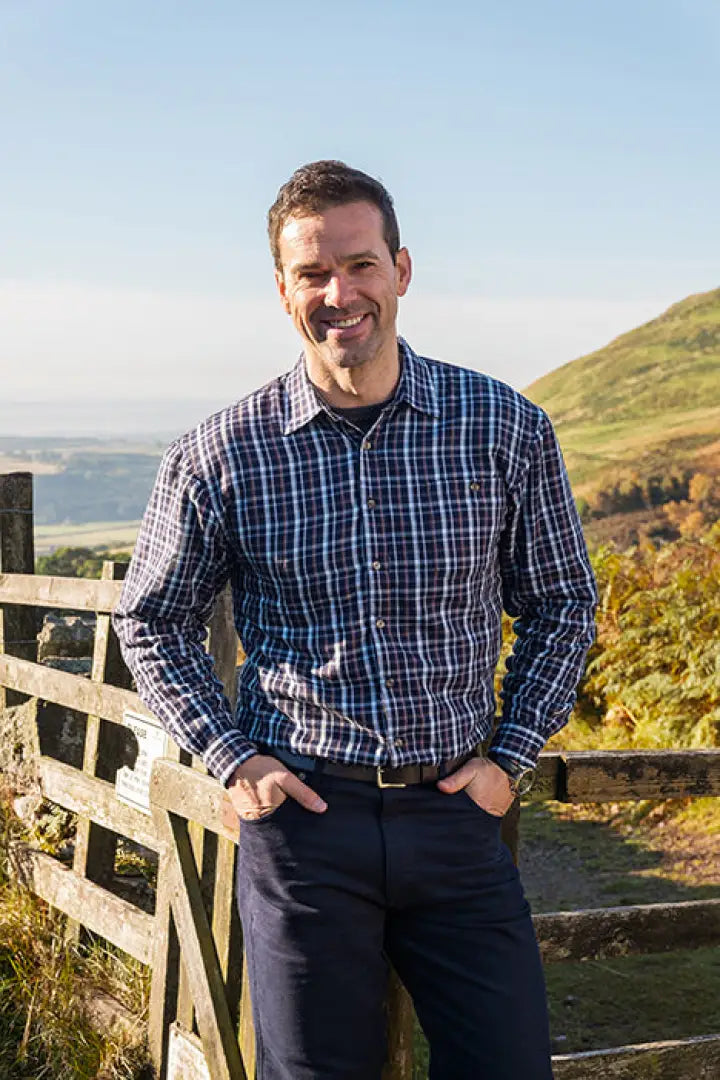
[(71, 594), (193, 941)]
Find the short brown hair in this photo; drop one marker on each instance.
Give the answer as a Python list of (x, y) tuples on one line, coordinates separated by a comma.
[(315, 187)]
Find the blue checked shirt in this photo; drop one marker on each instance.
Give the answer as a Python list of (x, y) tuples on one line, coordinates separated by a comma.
[(369, 574)]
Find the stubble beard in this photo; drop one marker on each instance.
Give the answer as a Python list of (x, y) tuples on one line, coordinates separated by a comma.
[(350, 356)]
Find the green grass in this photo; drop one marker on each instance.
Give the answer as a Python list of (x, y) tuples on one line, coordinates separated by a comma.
[(45, 985), (597, 1004), (601, 1004), (649, 399), (608, 855)]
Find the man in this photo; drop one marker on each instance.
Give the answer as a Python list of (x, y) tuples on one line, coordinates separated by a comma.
[(374, 511)]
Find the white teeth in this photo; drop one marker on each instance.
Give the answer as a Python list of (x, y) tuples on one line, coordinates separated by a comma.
[(342, 324)]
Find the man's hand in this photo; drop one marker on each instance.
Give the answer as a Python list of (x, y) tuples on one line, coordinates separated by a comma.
[(485, 782), (262, 783)]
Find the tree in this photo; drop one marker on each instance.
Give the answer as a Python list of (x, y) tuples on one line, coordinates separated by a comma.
[(78, 561)]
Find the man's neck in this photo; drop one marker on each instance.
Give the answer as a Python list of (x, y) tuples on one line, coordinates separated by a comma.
[(346, 388)]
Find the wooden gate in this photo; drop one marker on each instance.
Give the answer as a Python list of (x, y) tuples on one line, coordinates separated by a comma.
[(193, 941)]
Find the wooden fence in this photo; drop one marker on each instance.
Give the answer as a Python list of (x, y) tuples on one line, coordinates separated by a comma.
[(193, 940)]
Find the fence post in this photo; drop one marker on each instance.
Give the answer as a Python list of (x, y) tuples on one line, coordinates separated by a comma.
[(171, 993), (223, 646), (18, 626), (95, 846)]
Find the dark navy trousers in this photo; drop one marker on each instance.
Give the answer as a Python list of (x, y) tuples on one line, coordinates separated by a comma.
[(408, 876)]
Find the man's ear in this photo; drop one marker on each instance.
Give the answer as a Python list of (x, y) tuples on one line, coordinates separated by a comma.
[(403, 271), (280, 282)]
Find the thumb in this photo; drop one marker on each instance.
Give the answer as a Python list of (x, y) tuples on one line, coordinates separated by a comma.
[(458, 780), (294, 787)]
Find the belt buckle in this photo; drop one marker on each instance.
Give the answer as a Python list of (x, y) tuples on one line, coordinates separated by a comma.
[(381, 783)]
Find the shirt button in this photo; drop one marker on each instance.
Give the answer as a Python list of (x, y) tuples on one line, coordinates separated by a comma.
[(376, 565), (371, 504), (389, 683), (399, 743), (474, 486), (379, 623), (367, 445)]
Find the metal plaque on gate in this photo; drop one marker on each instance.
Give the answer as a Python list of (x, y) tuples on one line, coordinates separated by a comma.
[(132, 783)]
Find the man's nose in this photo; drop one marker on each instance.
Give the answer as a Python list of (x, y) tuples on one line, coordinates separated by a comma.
[(339, 292)]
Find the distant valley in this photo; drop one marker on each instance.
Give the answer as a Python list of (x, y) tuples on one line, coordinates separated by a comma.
[(638, 421), (88, 492)]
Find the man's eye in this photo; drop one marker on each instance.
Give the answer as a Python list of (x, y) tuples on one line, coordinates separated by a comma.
[(363, 265)]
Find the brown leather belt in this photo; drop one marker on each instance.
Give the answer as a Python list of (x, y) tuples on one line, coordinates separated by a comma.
[(385, 776)]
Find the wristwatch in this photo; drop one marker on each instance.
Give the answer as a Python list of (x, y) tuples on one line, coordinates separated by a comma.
[(520, 776)]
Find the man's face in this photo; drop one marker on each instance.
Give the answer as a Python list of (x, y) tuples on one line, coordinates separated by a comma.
[(340, 285)]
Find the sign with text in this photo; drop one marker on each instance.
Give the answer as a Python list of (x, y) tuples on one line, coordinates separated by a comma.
[(186, 1060), (132, 785)]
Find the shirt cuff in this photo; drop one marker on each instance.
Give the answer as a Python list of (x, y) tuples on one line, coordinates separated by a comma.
[(520, 745), (225, 753)]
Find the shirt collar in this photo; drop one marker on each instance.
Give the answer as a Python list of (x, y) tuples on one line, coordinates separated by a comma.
[(416, 387)]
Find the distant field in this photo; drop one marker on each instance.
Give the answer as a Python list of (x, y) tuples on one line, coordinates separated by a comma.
[(10, 464), (118, 535)]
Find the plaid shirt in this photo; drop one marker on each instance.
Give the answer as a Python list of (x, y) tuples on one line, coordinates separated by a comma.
[(369, 573)]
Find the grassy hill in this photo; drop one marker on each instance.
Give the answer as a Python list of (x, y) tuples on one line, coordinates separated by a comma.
[(647, 402)]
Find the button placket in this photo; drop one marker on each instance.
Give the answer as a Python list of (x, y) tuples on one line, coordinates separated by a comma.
[(372, 525)]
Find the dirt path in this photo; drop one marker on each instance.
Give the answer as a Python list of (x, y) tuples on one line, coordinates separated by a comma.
[(593, 856)]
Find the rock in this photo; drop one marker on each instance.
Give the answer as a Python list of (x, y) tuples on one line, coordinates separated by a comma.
[(19, 746), (61, 733), (34, 728), (66, 853), (26, 807), (66, 635)]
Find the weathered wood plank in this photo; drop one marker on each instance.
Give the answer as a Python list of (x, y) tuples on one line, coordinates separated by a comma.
[(112, 918), (18, 627), (697, 1058), (72, 691), (198, 798), (200, 850), (400, 1014), (95, 799), (165, 973), (95, 845), (549, 778), (606, 776), (622, 931), (246, 1029), (222, 643), (213, 1016), (45, 591), (227, 932), (167, 966)]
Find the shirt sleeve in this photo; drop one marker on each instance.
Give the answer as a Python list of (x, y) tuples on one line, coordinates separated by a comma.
[(549, 588), (179, 565)]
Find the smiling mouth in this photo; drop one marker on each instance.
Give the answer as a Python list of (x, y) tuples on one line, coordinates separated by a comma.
[(344, 324)]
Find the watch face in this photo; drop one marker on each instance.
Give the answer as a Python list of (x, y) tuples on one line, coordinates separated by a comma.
[(521, 779), (524, 781)]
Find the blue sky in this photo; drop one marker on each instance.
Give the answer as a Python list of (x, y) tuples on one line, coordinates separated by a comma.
[(555, 168)]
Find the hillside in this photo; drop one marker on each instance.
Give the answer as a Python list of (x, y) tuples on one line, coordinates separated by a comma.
[(640, 417), (649, 399)]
